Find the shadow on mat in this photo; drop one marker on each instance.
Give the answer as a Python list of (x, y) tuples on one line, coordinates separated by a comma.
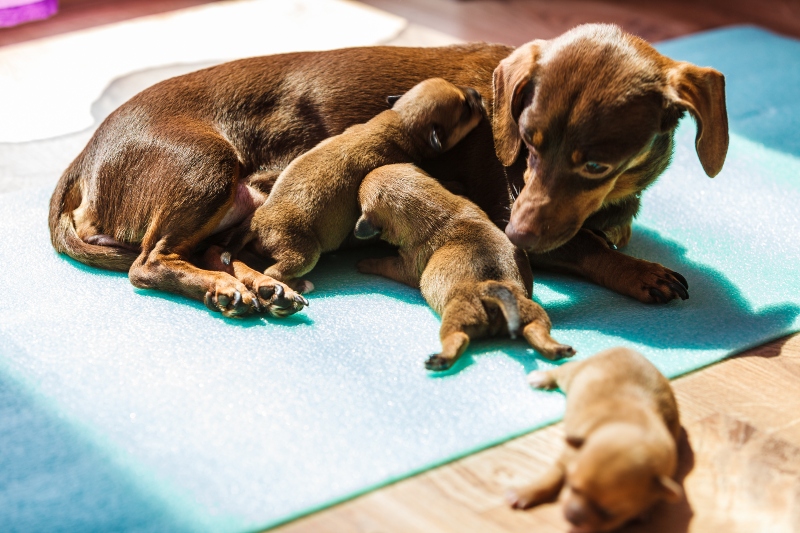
[(52, 476), (717, 315)]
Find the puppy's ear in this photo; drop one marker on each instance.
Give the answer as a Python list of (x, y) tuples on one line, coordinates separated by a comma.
[(701, 91), (509, 81), (391, 100), (434, 141), (668, 489), (365, 229)]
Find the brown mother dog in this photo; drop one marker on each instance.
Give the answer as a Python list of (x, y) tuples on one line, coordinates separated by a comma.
[(197, 154)]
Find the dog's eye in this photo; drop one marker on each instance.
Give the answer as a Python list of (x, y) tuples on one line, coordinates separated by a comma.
[(595, 169)]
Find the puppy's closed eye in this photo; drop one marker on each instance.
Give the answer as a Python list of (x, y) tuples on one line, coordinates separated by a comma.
[(434, 141), (575, 442)]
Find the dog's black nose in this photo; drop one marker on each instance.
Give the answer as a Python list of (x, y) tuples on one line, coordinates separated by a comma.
[(575, 513), (524, 239)]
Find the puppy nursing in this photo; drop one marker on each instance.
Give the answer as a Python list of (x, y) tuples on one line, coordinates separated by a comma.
[(313, 205), (466, 268), (621, 426)]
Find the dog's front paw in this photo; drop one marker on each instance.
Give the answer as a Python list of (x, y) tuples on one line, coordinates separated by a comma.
[(658, 284)]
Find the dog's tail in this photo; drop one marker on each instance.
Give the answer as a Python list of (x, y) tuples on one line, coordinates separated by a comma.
[(500, 295), (105, 253)]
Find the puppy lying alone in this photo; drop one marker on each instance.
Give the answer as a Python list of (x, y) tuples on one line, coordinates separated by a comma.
[(621, 428), (467, 269), (313, 206)]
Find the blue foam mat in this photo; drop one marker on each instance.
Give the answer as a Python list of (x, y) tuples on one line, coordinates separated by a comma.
[(131, 410)]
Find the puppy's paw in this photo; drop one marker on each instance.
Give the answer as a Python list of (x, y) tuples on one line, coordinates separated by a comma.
[(370, 265), (558, 351), (541, 379), (231, 299), (437, 363), (518, 500)]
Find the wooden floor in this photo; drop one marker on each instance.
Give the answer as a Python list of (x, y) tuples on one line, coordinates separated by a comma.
[(740, 465)]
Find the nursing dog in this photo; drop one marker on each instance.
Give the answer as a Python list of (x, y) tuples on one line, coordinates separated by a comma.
[(313, 205), (622, 427), (581, 124), (466, 268)]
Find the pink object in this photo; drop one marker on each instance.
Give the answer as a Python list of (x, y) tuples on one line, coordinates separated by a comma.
[(13, 12)]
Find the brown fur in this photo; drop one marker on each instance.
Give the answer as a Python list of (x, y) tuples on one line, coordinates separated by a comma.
[(195, 155), (596, 108), (622, 427), (467, 270), (313, 205)]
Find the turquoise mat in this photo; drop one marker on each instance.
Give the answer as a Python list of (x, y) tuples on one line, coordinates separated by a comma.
[(131, 410)]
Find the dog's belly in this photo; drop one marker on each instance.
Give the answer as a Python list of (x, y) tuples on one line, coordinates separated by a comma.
[(245, 202)]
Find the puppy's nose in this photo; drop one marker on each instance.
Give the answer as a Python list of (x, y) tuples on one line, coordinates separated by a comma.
[(575, 513), (524, 239)]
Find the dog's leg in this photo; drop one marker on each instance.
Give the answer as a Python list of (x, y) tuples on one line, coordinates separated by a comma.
[(464, 318), (271, 295), (589, 255), (536, 331), (544, 490), (388, 267), (163, 268)]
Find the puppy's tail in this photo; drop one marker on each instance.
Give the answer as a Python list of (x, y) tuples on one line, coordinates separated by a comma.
[(105, 252), (500, 295)]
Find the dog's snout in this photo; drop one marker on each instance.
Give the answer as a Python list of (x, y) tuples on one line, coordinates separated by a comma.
[(524, 239), (575, 512)]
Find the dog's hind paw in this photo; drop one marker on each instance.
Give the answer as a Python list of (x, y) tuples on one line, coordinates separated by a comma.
[(232, 303), (280, 301), (437, 363)]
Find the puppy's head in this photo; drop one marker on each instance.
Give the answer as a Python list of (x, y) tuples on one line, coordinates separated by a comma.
[(595, 110), (438, 114), (617, 475)]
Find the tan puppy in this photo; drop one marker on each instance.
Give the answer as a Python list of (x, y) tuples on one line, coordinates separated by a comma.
[(621, 428), (466, 268), (313, 205)]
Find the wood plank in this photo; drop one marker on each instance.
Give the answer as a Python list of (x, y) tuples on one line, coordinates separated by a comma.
[(740, 465)]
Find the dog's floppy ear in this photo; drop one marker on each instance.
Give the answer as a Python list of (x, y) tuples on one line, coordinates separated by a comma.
[(391, 100), (510, 79), (668, 488), (701, 90), (365, 229)]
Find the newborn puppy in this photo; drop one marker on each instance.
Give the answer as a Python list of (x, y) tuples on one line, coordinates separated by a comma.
[(621, 428), (313, 206), (467, 269)]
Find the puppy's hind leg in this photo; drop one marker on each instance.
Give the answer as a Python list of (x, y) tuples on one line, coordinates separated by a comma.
[(536, 331), (463, 318), (295, 255)]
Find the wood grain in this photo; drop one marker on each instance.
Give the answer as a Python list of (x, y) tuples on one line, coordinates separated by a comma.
[(740, 466), (518, 21)]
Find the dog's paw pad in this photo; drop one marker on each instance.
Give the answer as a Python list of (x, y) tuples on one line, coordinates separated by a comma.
[(539, 379), (437, 362), (515, 500)]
